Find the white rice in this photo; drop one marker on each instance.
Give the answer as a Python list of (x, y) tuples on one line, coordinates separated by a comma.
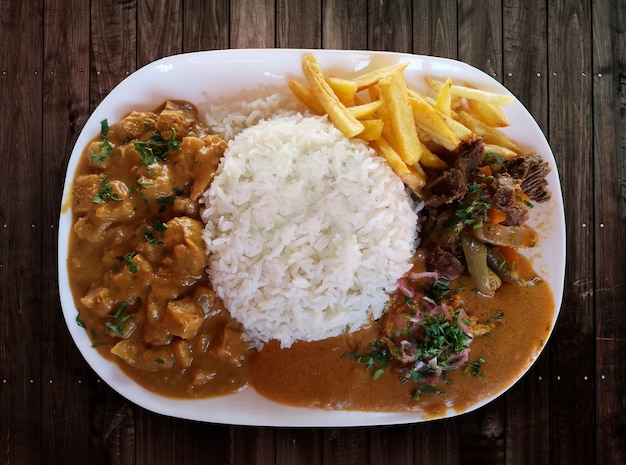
[(306, 230)]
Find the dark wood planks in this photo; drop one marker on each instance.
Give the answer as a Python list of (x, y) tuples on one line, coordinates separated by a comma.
[(570, 135), (21, 214), (344, 24), (159, 29), (609, 153), (253, 24), (65, 110), (205, 25), (389, 25), (298, 24), (435, 28)]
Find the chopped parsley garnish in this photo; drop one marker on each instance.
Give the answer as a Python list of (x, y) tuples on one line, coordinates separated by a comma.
[(106, 150), (432, 341), (493, 158), (118, 320), (157, 148), (106, 194), (157, 228), (472, 211), (377, 359), (524, 201), (475, 368), (169, 200), (426, 388), (128, 260), (104, 128)]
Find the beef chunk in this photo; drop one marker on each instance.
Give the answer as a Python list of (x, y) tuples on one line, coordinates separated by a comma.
[(505, 199), (444, 263), (451, 184), (531, 171)]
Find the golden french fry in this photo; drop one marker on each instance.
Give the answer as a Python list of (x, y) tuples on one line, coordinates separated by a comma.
[(344, 89), (456, 104), (383, 113), (431, 161), (306, 96), (372, 129), (367, 80), (412, 176), (393, 90), (489, 134), (504, 152), (488, 113), (444, 98), (365, 110), (470, 92), (462, 132), (431, 121), (337, 112)]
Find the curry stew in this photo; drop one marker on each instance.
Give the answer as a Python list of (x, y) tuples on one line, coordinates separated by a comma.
[(137, 257), (137, 270)]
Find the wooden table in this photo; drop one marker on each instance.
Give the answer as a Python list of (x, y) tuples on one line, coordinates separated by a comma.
[(564, 59)]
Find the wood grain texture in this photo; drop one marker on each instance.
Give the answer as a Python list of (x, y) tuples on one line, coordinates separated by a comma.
[(609, 154), (480, 35), (564, 59), (21, 232), (344, 446), (435, 28), (206, 25), (298, 24), (253, 24), (572, 347), (65, 109), (344, 24), (159, 29), (389, 25)]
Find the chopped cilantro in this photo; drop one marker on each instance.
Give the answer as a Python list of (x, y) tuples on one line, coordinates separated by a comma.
[(157, 148), (128, 260), (118, 320)]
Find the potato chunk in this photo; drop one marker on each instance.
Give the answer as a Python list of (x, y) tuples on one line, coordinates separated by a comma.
[(85, 188), (230, 346), (183, 318), (99, 301)]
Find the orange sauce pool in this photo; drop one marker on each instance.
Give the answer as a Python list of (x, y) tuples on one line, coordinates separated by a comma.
[(314, 374)]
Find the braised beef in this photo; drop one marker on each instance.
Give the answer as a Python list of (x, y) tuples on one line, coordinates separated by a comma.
[(447, 186), (531, 171), (444, 263), (505, 199)]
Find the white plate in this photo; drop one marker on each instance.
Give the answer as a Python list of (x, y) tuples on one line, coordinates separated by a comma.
[(222, 75)]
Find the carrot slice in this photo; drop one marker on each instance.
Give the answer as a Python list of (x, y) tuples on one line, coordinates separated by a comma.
[(510, 255)]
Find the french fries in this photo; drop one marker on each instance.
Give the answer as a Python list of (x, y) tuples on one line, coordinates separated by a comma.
[(472, 93), (413, 131), (400, 118), (337, 112)]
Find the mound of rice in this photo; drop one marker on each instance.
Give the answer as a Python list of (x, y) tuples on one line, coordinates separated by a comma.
[(306, 230)]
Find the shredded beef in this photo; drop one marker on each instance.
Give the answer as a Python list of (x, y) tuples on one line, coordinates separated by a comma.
[(444, 263), (451, 184), (531, 171), (505, 199)]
